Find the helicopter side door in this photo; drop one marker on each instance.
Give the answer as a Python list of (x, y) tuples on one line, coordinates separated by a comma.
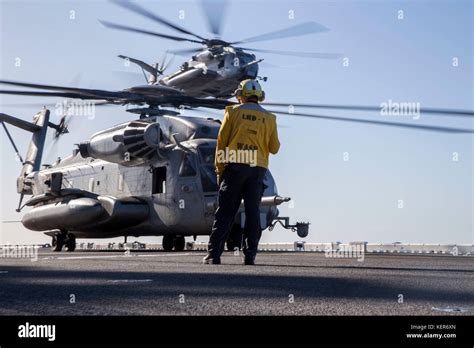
[(208, 180), (190, 207)]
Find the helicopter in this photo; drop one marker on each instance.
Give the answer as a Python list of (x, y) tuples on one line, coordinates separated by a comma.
[(146, 177), (216, 68)]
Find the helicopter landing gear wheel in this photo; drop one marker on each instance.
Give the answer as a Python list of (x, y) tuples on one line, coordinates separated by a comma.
[(178, 243), (235, 238), (70, 242), (168, 242), (59, 239)]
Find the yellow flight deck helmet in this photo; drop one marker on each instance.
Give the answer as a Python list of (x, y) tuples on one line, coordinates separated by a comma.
[(249, 88)]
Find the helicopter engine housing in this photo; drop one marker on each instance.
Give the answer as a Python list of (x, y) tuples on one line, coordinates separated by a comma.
[(127, 144)]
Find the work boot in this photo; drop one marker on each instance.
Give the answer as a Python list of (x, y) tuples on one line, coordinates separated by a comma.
[(249, 260), (211, 260)]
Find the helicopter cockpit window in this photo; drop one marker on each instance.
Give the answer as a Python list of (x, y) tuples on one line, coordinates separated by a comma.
[(187, 166), (208, 178), (207, 155), (207, 169), (251, 70)]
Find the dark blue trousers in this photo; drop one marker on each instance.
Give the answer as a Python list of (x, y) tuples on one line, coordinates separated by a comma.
[(239, 181)]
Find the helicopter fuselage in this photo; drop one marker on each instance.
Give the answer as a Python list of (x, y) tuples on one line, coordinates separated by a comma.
[(216, 72)]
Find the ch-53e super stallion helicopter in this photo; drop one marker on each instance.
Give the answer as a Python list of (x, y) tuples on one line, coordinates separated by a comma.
[(153, 176), (216, 69), (150, 176)]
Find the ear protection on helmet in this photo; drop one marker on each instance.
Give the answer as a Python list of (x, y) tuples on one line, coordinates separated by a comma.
[(238, 92)]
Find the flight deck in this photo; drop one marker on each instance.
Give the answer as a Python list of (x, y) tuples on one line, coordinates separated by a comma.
[(148, 282)]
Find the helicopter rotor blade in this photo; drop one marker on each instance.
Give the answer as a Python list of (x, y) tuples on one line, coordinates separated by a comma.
[(49, 94), (51, 148), (52, 105), (447, 112), (162, 63), (51, 143), (151, 95), (167, 64), (84, 92), (136, 99), (146, 32), (103, 96), (109, 100), (379, 123), (29, 105), (214, 11), (185, 51), (297, 30), (145, 13), (297, 54), (205, 111), (64, 92)]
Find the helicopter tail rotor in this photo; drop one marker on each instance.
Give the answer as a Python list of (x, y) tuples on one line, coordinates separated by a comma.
[(154, 70)]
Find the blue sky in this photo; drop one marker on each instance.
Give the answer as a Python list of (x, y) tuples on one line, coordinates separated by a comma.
[(405, 60)]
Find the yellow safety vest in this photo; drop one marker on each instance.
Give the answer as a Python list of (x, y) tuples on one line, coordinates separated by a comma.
[(247, 135)]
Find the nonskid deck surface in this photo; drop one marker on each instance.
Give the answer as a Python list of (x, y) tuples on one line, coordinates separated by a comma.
[(283, 283)]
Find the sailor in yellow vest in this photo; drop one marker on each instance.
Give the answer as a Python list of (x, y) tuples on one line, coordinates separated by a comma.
[(247, 135)]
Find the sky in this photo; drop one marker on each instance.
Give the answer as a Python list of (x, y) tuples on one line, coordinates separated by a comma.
[(352, 182)]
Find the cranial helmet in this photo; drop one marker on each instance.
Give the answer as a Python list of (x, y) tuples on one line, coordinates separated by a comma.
[(249, 88)]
